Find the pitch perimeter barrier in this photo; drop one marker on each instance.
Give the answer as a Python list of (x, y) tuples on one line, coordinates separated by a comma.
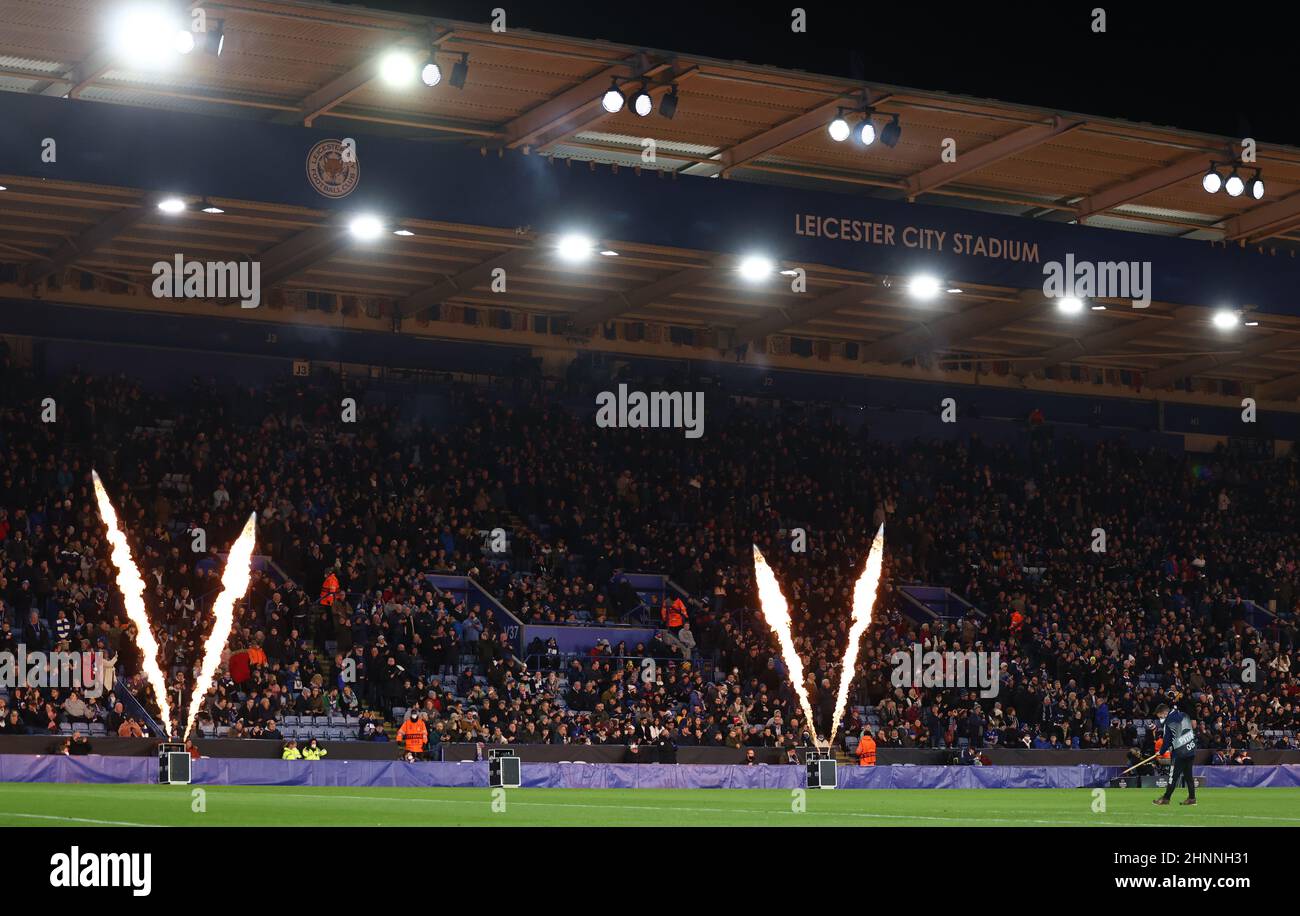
[(220, 771)]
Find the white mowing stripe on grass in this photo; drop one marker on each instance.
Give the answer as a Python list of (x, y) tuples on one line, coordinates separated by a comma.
[(862, 814), (79, 820)]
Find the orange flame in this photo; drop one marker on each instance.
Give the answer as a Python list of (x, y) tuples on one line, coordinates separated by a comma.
[(777, 614), (234, 583), (864, 601), (131, 586)]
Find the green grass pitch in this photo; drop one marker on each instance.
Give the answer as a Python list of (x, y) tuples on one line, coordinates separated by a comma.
[(84, 805)]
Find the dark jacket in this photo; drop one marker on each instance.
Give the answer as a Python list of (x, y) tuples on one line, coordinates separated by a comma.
[(1179, 737)]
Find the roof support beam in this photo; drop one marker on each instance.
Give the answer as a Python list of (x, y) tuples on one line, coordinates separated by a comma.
[(1167, 375), (1082, 346), (629, 300), (345, 85), (296, 254), (952, 330), (568, 111), (1144, 184), (770, 139), (422, 300), (81, 76), (1263, 221), (97, 236), (1015, 142), (799, 313)]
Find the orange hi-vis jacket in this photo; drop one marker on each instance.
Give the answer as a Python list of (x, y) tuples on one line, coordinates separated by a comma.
[(675, 614), (867, 751), (413, 735), (329, 589)]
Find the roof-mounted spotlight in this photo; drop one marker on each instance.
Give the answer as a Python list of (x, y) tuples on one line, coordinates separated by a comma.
[(171, 205), (1069, 305), (755, 267), (1226, 319), (642, 104), (210, 207), (890, 133), (397, 68), (575, 247), (866, 132), (149, 36), (366, 228), (668, 104), (612, 101), (839, 128), (431, 73), (924, 286), (1233, 184), (1256, 186), (1212, 180), (404, 233), (459, 71)]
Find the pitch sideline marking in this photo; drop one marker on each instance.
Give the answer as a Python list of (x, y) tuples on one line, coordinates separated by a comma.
[(80, 820)]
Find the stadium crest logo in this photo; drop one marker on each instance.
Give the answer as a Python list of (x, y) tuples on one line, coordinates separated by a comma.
[(333, 168)]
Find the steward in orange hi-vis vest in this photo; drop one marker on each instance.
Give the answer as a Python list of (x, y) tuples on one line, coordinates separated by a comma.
[(866, 750), (329, 588), (414, 734), (674, 614)]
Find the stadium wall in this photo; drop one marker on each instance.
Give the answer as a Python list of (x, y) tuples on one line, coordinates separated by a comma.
[(255, 749), (472, 774)]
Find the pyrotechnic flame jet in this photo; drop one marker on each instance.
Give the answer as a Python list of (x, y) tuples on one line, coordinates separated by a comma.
[(864, 602), (777, 614), (234, 583), (131, 586)]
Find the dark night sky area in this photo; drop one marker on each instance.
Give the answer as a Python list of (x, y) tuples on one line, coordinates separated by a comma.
[(1209, 67)]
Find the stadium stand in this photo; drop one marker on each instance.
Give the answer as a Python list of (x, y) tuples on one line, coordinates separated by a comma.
[(1089, 642)]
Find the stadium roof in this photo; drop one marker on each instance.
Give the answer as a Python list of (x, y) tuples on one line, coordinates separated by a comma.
[(318, 64), (304, 62)]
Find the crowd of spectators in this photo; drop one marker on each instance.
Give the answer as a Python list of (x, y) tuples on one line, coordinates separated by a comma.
[(1089, 640)]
